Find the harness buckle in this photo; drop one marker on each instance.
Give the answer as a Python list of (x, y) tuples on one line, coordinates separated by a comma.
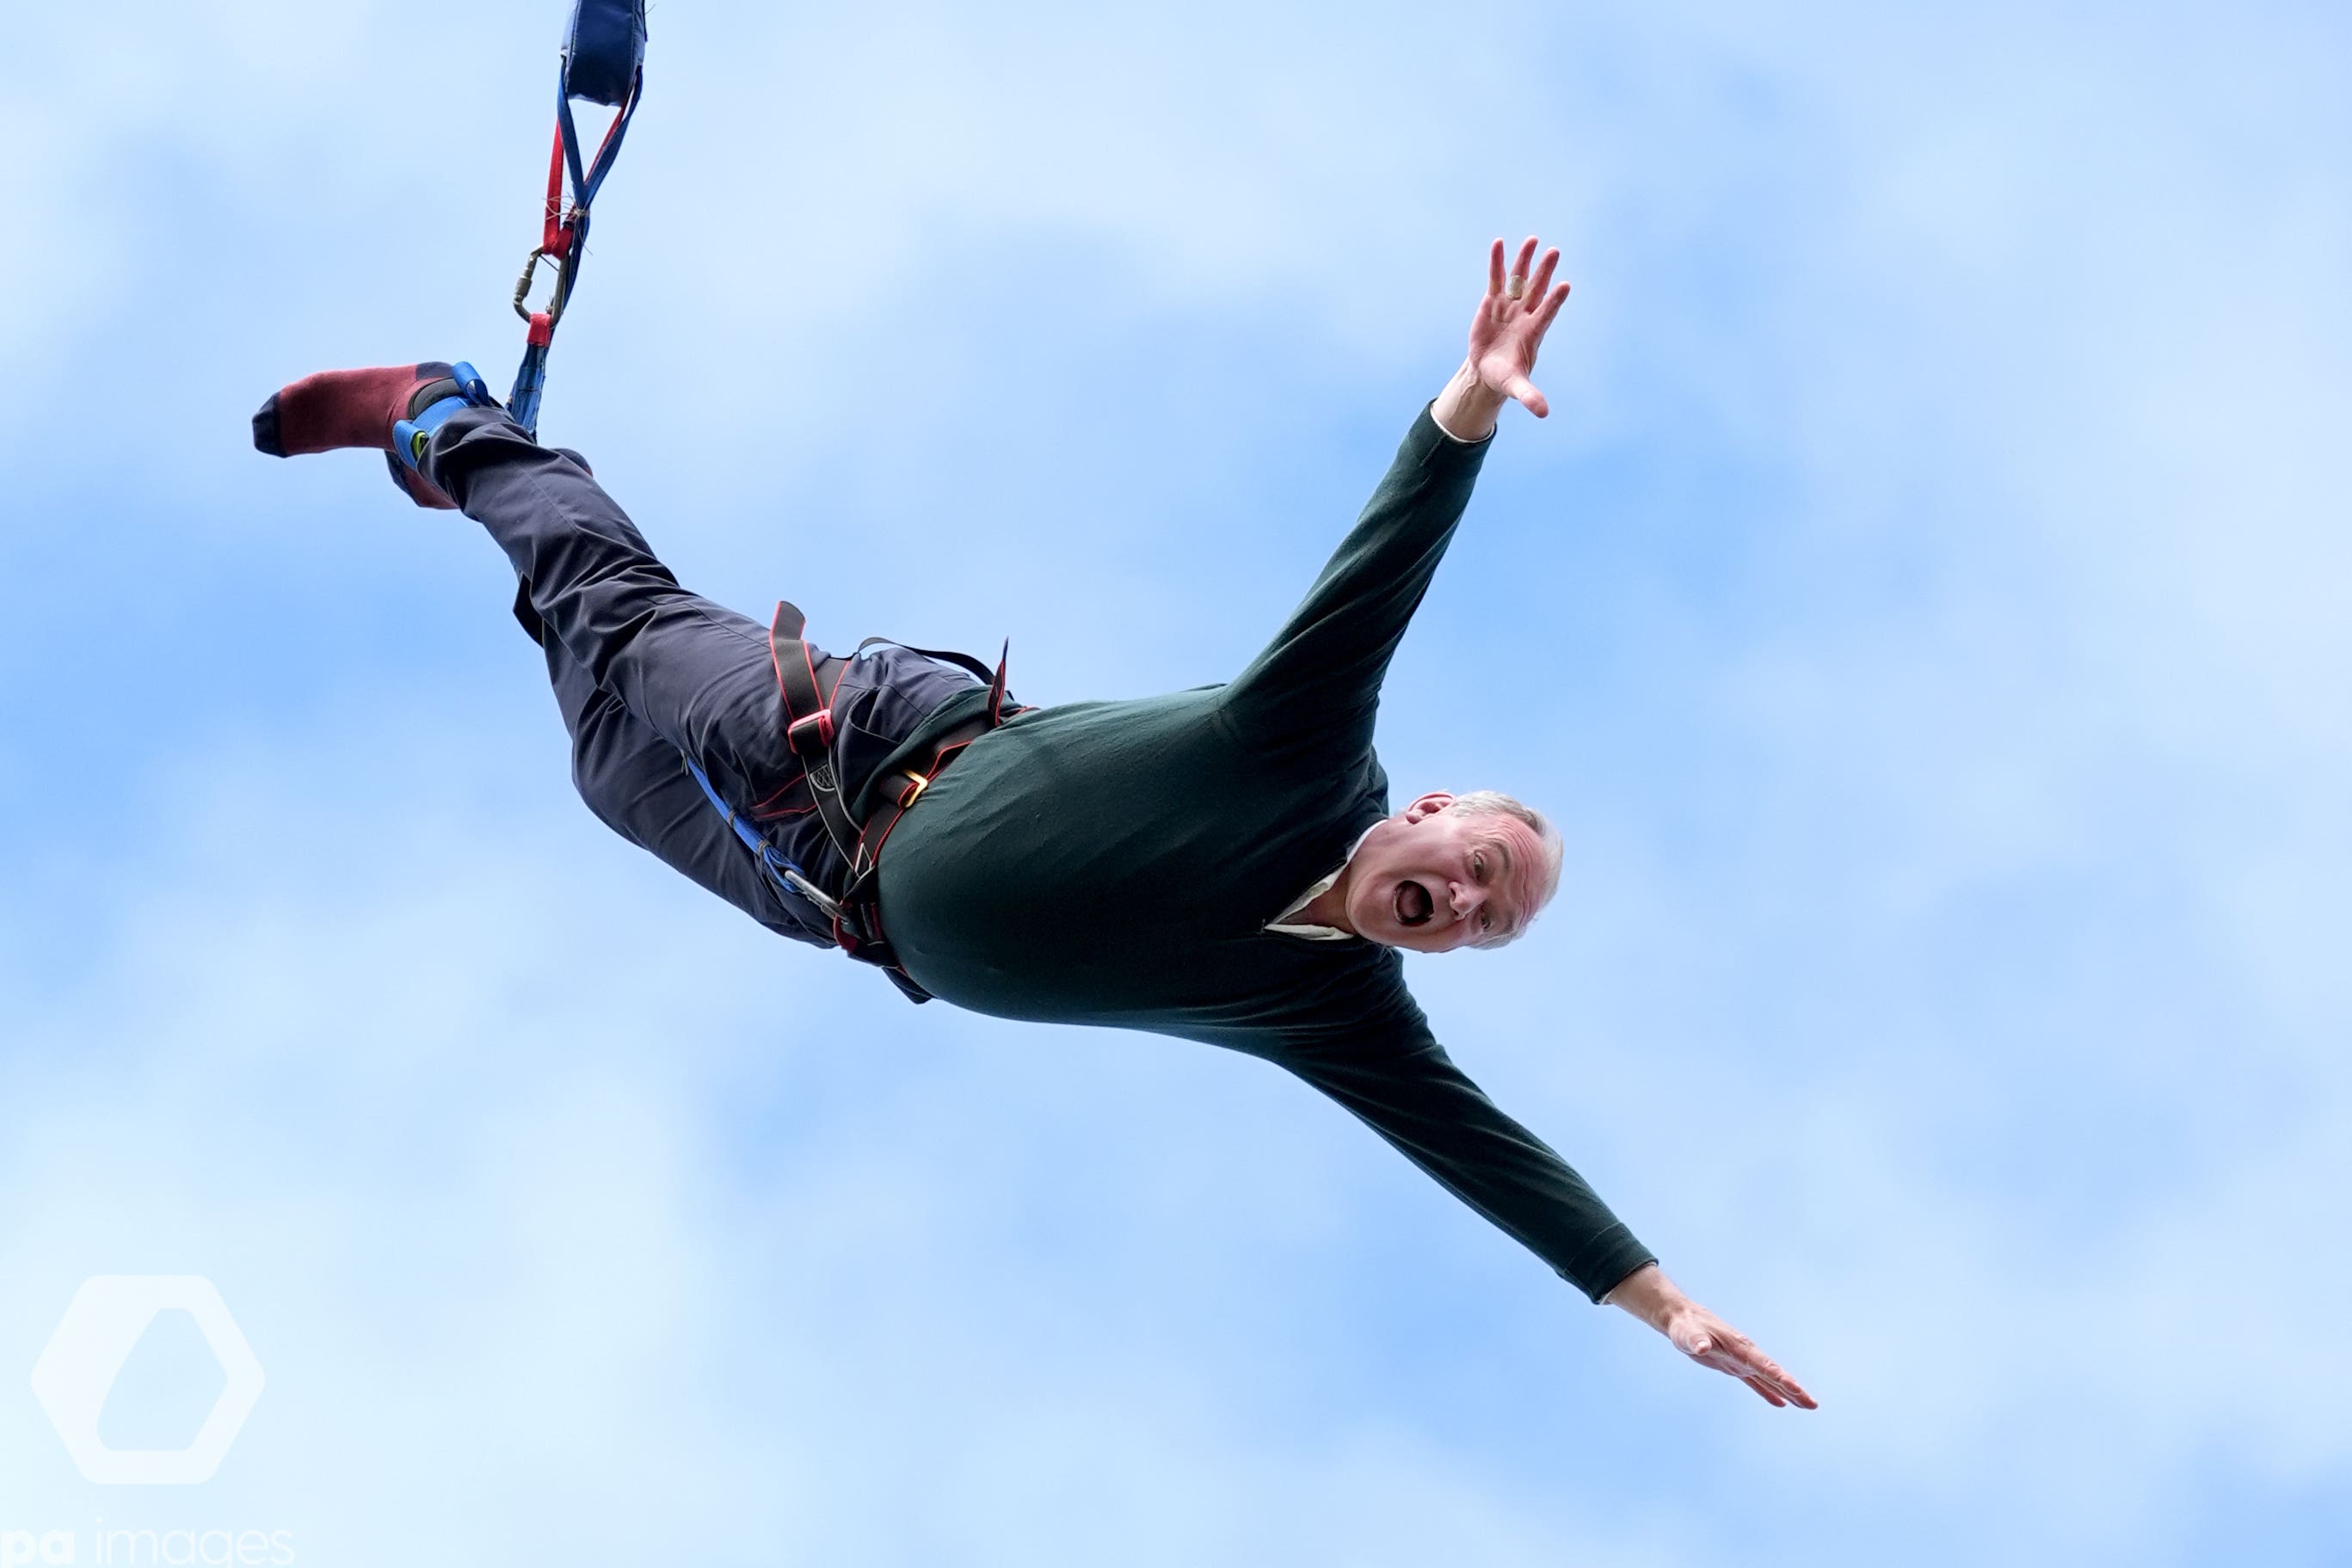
[(819, 725), (916, 784)]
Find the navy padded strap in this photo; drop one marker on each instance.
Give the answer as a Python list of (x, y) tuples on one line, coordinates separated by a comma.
[(603, 49)]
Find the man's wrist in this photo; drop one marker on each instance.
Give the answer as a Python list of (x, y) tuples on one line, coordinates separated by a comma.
[(1646, 1293), (1466, 410)]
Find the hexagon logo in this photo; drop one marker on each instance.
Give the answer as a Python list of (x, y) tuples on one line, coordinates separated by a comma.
[(109, 1315)]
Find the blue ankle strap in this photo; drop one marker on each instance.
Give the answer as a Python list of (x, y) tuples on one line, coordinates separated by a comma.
[(410, 437)]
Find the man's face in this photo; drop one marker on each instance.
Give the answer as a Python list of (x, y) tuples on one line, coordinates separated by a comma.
[(1431, 879)]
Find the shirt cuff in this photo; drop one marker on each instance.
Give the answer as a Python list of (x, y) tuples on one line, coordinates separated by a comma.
[(1603, 1263), (1458, 440)]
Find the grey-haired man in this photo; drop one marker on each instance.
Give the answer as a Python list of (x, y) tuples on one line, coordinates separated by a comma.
[(1220, 865)]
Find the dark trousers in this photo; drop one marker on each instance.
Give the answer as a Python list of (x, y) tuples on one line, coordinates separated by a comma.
[(647, 675)]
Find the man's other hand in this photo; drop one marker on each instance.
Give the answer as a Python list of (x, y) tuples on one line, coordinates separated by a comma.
[(1706, 1339)]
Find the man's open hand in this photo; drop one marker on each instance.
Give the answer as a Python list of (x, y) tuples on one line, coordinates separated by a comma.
[(1706, 1339), (1506, 332), (1512, 320)]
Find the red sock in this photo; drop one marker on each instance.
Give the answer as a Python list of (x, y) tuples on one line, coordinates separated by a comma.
[(336, 409)]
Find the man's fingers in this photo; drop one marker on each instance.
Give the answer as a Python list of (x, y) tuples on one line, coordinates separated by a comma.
[(1541, 313), (1763, 1369), (1550, 309), (1524, 390), (1758, 1372), (1712, 1342), (1495, 270), (1527, 256), (1541, 280)]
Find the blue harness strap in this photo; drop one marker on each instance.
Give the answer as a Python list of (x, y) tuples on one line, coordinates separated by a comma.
[(604, 61), (787, 878), (782, 873)]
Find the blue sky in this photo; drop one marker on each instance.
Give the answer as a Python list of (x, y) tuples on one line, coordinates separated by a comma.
[(1926, 611)]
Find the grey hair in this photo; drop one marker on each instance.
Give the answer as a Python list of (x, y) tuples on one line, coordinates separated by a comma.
[(1495, 803)]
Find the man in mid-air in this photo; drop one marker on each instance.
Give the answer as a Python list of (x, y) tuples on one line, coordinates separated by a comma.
[(1219, 864)]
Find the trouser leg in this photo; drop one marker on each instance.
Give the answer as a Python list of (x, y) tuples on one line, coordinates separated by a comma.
[(633, 779), (696, 675)]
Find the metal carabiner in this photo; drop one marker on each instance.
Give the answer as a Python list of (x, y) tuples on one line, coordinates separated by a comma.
[(529, 272), (828, 905)]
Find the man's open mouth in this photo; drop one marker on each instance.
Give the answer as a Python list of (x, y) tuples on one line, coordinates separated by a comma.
[(1413, 903)]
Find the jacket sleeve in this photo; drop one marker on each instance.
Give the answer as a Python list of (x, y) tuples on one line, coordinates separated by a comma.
[(1318, 681), (1405, 1088)]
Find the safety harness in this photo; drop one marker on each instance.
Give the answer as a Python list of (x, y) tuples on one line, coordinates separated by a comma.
[(811, 732)]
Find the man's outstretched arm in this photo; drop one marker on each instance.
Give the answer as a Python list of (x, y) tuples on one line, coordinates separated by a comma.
[(1318, 681), (1399, 1081), (1400, 1084)]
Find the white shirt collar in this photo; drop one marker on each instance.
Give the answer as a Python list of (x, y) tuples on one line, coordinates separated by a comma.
[(1283, 924)]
